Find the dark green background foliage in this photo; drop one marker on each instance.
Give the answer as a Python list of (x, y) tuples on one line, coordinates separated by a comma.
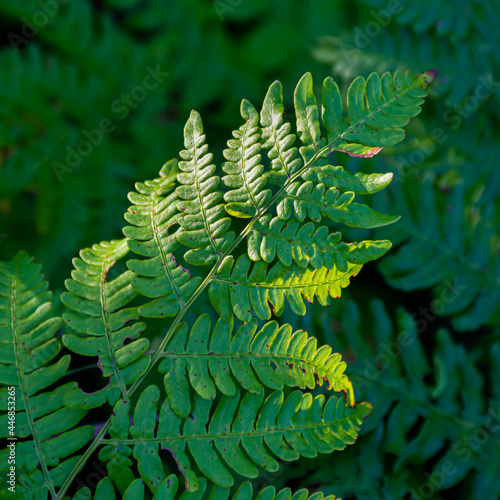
[(419, 328)]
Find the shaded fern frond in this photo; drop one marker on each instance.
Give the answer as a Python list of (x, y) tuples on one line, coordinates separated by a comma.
[(394, 50), (297, 426), (272, 357), (456, 255), (101, 322), (453, 21), (34, 419), (444, 389)]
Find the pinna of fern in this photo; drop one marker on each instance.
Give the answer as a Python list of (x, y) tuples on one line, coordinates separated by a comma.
[(169, 490), (214, 377)]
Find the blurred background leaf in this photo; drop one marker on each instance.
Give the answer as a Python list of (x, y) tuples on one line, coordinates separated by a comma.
[(95, 95)]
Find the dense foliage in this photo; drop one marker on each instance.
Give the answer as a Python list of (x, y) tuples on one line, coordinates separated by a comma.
[(94, 98)]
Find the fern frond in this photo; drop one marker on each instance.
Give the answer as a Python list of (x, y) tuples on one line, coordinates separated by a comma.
[(272, 357), (159, 276), (169, 489), (313, 201), (297, 426), (305, 244), (205, 228), (34, 419), (448, 253), (246, 196), (100, 322), (453, 22), (240, 289), (276, 136)]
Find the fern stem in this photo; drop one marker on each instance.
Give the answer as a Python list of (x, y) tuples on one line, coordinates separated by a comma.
[(232, 435), (159, 353), (229, 250), (82, 461)]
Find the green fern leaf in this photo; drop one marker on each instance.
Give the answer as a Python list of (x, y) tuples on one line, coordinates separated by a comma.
[(307, 245), (277, 137), (33, 418), (307, 115), (205, 228), (247, 195), (158, 277), (299, 425), (272, 357), (378, 108), (169, 489), (237, 288), (343, 180), (309, 200), (100, 322)]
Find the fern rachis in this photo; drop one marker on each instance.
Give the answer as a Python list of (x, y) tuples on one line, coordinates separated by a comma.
[(287, 258)]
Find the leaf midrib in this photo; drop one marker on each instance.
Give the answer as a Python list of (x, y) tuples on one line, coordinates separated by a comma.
[(296, 241), (235, 281), (230, 435), (163, 257), (104, 312)]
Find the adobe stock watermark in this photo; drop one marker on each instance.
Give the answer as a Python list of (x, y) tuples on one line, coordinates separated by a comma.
[(484, 89), (389, 352), (381, 19), (48, 9), (362, 37), (121, 107), (92, 479), (449, 293), (222, 7), (461, 452)]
